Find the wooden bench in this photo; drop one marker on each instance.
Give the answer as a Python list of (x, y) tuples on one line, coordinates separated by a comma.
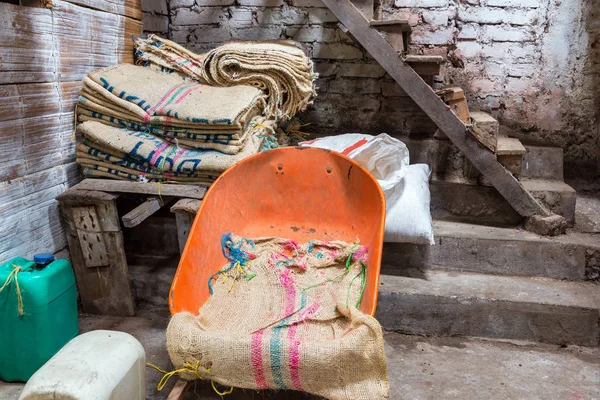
[(95, 236)]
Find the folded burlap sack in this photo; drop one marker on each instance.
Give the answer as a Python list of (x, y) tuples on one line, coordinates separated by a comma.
[(279, 68), (156, 153), (168, 99)]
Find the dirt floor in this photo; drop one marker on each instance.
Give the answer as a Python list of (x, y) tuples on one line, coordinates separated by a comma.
[(418, 367)]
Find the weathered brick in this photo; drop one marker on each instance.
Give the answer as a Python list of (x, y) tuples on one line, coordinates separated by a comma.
[(275, 16), (469, 49), (257, 33), (184, 3), (392, 89), (518, 85), (514, 3), (522, 70), (321, 85), (311, 34), (487, 15), (525, 52), (240, 17), (155, 23), (438, 18), (320, 16), (155, 6), (211, 35), (197, 16), (180, 34), (361, 70), (494, 69), (335, 51), (439, 36), (484, 87), (506, 34), (469, 31), (421, 3), (412, 16), (307, 3), (325, 69), (261, 3), (497, 51)]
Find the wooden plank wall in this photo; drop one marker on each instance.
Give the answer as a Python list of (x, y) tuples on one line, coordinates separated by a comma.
[(45, 53)]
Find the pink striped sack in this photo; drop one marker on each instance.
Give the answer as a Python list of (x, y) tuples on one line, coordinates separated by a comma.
[(285, 316)]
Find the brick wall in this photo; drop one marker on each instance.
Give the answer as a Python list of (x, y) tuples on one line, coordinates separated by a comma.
[(532, 63)]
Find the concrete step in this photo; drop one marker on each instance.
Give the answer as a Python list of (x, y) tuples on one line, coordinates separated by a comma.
[(443, 303), (472, 203), (499, 251), (539, 162)]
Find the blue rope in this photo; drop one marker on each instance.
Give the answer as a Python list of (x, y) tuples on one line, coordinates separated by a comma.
[(233, 254)]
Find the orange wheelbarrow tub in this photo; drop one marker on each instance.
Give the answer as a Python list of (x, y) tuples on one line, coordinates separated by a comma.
[(293, 192)]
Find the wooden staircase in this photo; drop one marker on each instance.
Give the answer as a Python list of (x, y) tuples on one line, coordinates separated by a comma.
[(387, 42)]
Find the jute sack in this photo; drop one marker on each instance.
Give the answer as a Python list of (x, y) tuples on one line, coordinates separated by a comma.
[(279, 68), (168, 99), (101, 172), (90, 157), (161, 154), (134, 174), (285, 316), (192, 135), (97, 103), (214, 142)]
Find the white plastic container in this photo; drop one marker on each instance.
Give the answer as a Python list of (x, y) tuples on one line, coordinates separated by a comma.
[(98, 365)]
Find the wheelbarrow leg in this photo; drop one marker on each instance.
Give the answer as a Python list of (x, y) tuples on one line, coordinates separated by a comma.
[(179, 390)]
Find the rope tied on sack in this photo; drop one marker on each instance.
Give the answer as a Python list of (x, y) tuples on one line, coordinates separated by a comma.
[(237, 259), (188, 367), (14, 276)]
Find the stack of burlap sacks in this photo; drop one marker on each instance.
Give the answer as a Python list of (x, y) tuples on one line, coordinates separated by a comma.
[(183, 117)]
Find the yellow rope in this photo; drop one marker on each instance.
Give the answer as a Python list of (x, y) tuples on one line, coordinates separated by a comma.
[(187, 368), (11, 276), (229, 391)]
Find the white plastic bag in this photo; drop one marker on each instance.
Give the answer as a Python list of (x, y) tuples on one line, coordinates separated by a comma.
[(408, 217)]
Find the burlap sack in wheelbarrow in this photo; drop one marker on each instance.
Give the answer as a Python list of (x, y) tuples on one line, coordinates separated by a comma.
[(168, 99), (163, 155), (279, 68), (285, 316)]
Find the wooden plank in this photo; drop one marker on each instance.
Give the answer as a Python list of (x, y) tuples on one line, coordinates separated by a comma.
[(179, 390), (485, 129), (128, 8), (521, 200), (184, 223), (172, 190), (416, 58), (402, 23), (185, 212), (141, 212), (187, 205), (103, 290), (510, 146)]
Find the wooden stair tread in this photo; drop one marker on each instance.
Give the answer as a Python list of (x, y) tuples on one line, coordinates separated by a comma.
[(401, 23), (509, 146), (414, 58)]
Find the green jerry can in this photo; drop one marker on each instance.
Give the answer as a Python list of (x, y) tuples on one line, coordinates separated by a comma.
[(38, 313)]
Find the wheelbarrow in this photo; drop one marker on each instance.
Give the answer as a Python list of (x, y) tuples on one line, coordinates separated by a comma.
[(293, 192)]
